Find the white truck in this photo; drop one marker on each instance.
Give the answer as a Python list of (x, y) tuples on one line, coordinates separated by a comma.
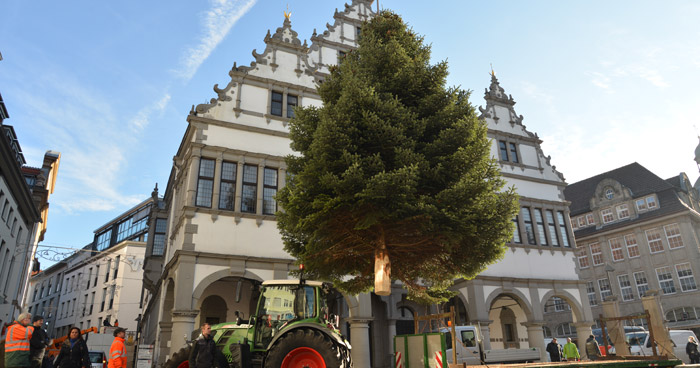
[(470, 349), (640, 343)]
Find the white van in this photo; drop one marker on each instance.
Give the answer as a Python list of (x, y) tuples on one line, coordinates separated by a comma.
[(641, 345)]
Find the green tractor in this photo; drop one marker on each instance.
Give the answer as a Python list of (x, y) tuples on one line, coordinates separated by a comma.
[(291, 328)]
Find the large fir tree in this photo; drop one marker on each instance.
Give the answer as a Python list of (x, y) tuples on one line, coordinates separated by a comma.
[(394, 167)]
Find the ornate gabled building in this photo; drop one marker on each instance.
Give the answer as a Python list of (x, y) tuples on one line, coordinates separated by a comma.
[(509, 299), (214, 234), (637, 232)]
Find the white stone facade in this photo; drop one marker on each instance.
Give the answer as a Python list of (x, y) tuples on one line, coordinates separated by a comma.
[(222, 236)]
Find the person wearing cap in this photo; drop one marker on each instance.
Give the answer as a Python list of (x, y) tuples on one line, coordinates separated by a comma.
[(38, 342), (117, 352), (17, 342), (592, 348)]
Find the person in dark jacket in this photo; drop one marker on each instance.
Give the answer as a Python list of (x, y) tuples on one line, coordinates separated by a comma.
[(203, 353), (554, 350), (38, 342), (74, 352), (691, 348), (592, 348)]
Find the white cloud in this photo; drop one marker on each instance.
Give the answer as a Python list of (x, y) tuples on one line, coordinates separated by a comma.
[(217, 22), (601, 80), (142, 118)]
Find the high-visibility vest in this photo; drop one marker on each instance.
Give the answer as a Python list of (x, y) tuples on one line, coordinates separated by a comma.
[(117, 354), (17, 345)]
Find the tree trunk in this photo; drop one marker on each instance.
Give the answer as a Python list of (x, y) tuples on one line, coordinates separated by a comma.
[(382, 271)]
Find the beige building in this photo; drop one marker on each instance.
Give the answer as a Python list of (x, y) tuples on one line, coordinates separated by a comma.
[(214, 236), (637, 232)]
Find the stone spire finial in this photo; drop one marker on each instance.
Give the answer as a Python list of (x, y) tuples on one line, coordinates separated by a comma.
[(496, 93)]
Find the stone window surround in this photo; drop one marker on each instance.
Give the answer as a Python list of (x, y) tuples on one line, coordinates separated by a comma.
[(241, 158), (285, 91), (544, 205)]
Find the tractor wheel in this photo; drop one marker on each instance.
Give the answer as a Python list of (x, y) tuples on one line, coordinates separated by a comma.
[(179, 359), (307, 348)]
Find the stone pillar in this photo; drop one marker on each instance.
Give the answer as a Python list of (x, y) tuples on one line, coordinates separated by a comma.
[(535, 337), (615, 329), (583, 331), (359, 336), (193, 176), (392, 333), (183, 325), (651, 304), (163, 342)]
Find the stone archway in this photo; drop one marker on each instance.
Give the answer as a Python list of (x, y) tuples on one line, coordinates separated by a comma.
[(165, 326), (213, 310), (511, 316)]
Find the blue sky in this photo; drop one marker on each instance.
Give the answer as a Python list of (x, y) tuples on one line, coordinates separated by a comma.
[(109, 84)]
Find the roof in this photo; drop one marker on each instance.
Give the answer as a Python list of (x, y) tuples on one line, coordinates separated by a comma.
[(634, 177)]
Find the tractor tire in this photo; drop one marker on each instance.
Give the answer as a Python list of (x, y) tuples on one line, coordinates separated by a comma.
[(179, 359), (310, 348)]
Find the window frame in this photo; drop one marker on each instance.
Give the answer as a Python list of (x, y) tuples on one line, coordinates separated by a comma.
[(274, 103), (623, 211), (249, 184), (658, 246), (668, 280), (625, 287), (201, 199), (604, 292), (228, 181), (681, 278), (596, 257), (606, 215), (616, 252), (674, 239), (630, 245)]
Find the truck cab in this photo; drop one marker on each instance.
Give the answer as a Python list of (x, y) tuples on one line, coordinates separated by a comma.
[(470, 349)]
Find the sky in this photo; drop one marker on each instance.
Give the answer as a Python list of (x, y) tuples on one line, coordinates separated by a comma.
[(110, 84)]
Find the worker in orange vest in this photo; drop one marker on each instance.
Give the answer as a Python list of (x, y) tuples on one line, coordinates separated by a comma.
[(117, 352), (17, 342)]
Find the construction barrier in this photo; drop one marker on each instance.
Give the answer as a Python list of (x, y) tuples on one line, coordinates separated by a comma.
[(419, 351)]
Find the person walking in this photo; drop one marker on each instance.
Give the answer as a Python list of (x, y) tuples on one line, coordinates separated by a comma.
[(592, 348), (17, 342), (203, 353), (691, 348), (74, 352), (38, 342), (554, 350), (117, 352), (570, 351)]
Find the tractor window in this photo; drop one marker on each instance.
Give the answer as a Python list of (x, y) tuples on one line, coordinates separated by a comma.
[(280, 304)]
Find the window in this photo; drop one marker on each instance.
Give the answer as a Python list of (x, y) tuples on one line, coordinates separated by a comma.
[(540, 226), (104, 298), (640, 279), (654, 240), (566, 329), (673, 235), (589, 219), (605, 290), (227, 189), (276, 104), (562, 229), (84, 309), (685, 277), (683, 314), (341, 54), (590, 289), (205, 182), (109, 266), (5, 208), (632, 247), (116, 267), (625, 287), (545, 330), (159, 237), (666, 280), (596, 254), (97, 273), (609, 193), (582, 221), (641, 205), (269, 191), (89, 277), (516, 232), (651, 202), (607, 215), (560, 305), (552, 228), (529, 230), (574, 224), (111, 296), (513, 152), (128, 228), (14, 227), (623, 212), (92, 301), (104, 239), (504, 150), (583, 261), (291, 104), (249, 194), (616, 249)]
